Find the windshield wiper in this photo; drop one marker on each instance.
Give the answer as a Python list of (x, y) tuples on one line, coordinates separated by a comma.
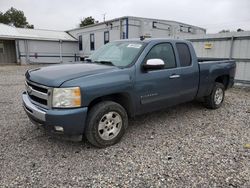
[(105, 62)]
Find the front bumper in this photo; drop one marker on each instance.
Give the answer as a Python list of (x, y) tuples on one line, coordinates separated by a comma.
[(71, 120)]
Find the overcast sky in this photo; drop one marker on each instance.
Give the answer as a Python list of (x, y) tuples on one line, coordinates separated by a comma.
[(214, 15)]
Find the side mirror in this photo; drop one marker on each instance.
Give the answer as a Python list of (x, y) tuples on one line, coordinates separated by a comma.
[(153, 64)]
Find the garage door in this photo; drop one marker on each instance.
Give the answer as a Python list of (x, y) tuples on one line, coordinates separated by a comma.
[(7, 52)]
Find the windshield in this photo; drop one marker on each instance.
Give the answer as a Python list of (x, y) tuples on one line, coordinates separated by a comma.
[(120, 54)]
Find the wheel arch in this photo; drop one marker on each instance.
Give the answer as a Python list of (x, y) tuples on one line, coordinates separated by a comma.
[(224, 79), (124, 99)]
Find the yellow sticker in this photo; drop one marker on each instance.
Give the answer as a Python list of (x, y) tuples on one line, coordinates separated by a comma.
[(247, 146), (208, 45)]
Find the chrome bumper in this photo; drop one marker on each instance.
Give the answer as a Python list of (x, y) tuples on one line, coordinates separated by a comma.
[(71, 120), (31, 109)]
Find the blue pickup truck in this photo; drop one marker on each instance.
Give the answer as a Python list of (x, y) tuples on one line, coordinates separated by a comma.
[(122, 79)]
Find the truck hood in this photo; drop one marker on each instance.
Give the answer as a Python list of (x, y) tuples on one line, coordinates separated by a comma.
[(56, 75)]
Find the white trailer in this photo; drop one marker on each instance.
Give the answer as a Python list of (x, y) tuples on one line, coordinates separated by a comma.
[(94, 36)]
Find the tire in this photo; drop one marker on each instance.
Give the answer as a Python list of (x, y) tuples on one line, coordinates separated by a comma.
[(106, 124), (216, 98)]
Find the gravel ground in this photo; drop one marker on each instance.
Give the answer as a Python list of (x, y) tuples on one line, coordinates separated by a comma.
[(183, 146)]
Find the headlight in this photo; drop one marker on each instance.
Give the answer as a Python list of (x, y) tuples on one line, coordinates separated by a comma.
[(66, 97)]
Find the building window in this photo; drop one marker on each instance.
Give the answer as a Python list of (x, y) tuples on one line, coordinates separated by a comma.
[(1, 48), (186, 29), (92, 41), (123, 35), (154, 24), (80, 42), (184, 54), (190, 30), (106, 37)]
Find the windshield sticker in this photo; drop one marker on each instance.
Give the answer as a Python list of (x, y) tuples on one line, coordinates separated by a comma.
[(134, 46)]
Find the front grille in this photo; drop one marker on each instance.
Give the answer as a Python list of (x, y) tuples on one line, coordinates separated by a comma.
[(39, 100), (38, 94), (43, 90)]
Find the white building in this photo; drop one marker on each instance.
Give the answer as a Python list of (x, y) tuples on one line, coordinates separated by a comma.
[(94, 36), (25, 46)]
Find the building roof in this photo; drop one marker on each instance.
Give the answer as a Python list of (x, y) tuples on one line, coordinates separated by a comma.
[(227, 35), (133, 17), (9, 32)]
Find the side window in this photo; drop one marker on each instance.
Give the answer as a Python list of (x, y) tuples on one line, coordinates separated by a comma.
[(106, 37), (1, 48), (184, 54), (123, 35), (80, 42), (92, 41), (165, 52)]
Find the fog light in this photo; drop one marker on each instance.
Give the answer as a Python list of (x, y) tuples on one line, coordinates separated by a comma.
[(59, 129)]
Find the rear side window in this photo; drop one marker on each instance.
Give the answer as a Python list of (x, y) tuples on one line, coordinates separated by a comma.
[(184, 54), (165, 52)]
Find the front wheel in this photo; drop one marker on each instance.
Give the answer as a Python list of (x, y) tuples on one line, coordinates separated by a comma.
[(216, 98), (106, 124)]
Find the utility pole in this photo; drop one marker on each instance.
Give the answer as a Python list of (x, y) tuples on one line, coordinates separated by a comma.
[(104, 15)]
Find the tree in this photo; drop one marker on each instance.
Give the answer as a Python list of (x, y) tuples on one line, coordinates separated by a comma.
[(87, 21), (225, 31), (240, 30), (15, 17), (3, 18)]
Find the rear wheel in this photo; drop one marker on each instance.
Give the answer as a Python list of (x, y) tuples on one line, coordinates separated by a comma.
[(106, 124), (216, 98)]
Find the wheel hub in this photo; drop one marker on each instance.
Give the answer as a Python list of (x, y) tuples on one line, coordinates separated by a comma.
[(110, 125), (218, 97)]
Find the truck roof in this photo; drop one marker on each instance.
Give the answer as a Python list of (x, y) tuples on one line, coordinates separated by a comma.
[(148, 40)]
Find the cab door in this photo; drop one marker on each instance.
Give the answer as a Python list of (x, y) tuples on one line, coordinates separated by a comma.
[(189, 71), (160, 88)]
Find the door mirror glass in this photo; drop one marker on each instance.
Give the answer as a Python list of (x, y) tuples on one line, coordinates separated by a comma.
[(154, 64)]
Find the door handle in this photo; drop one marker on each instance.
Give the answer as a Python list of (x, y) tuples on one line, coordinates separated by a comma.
[(174, 76)]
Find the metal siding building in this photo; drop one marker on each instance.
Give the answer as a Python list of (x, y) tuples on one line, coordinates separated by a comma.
[(233, 45), (25, 46), (7, 52), (129, 27)]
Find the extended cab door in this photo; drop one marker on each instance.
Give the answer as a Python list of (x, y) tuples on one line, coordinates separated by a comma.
[(156, 89), (189, 71)]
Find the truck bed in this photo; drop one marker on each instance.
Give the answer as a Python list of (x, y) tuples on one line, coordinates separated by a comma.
[(212, 68)]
